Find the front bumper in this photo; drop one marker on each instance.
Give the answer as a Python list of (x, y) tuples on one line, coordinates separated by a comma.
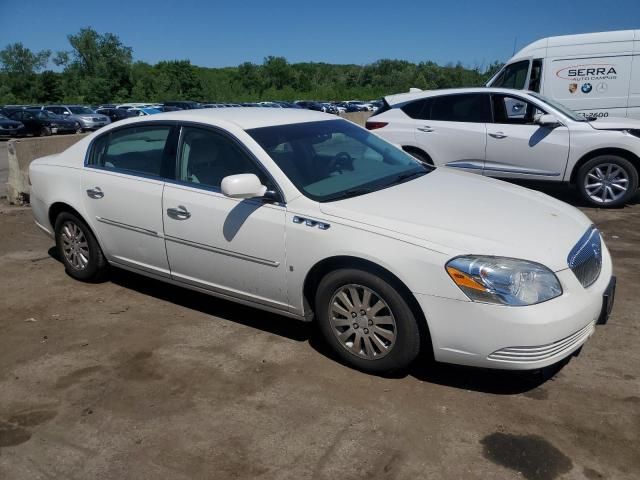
[(517, 338)]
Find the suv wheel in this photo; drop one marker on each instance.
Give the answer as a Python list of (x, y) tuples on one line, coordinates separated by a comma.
[(366, 321), (607, 181), (78, 248)]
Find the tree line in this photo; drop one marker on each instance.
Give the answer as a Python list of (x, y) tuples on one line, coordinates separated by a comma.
[(99, 68)]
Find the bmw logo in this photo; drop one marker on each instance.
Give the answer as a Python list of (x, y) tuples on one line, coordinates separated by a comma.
[(586, 88)]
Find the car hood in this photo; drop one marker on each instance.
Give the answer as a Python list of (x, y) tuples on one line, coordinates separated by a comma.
[(462, 213), (613, 123)]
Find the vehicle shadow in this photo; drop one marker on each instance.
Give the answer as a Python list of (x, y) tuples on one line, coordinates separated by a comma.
[(425, 369)]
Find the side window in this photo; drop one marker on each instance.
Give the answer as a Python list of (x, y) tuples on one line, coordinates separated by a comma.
[(17, 116), (536, 75), (56, 110), (418, 109), (136, 149), (513, 110), (207, 157), (470, 107), (513, 76)]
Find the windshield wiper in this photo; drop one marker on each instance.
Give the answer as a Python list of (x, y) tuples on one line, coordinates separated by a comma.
[(407, 176), (354, 192)]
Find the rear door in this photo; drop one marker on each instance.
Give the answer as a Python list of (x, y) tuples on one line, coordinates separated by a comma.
[(519, 148), (454, 131), (122, 187)]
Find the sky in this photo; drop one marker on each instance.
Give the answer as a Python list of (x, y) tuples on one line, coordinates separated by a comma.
[(227, 33)]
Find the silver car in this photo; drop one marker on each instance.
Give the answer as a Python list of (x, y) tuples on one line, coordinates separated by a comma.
[(87, 118)]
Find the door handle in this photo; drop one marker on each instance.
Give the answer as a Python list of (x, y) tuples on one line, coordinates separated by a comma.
[(426, 129), (498, 135), (95, 192), (179, 213)]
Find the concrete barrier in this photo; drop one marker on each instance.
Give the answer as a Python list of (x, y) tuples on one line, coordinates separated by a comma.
[(21, 152), (357, 117)]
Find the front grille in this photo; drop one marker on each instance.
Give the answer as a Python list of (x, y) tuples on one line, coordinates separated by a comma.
[(543, 352), (585, 259), (96, 119)]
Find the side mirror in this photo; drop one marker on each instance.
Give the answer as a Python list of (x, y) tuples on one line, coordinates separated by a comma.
[(65, 112), (243, 185), (548, 121)]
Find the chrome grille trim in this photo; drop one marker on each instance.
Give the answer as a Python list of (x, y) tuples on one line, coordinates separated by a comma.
[(585, 259), (536, 353)]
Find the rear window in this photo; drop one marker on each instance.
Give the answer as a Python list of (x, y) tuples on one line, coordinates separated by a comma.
[(418, 109), (136, 150), (468, 107)]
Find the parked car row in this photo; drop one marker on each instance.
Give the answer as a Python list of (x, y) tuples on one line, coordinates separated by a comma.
[(35, 122), (84, 118)]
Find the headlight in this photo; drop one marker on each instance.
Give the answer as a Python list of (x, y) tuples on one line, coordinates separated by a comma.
[(503, 281)]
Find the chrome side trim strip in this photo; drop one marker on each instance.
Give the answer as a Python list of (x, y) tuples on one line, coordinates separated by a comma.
[(144, 231), (498, 167), (472, 164), (221, 251)]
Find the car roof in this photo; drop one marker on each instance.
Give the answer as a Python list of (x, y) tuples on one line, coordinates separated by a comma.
[(245, 118), (407, 97)]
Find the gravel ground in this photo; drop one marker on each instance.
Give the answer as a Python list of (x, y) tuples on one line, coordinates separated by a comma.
[(136, 379)]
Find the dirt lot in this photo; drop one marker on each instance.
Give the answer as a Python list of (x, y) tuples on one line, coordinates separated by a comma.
[(135, 379), (4, 168)]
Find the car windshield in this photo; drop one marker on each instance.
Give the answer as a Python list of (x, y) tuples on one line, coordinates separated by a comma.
[(81, 110), (561, 108), (335, 159)]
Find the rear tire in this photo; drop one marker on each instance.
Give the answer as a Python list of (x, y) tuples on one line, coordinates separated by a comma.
[(607, 181), (367, 321), (45, 132), (78, 248)]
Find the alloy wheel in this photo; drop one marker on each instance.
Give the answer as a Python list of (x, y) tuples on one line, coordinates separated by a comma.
[(606, 183), (74, 245), (362, 321)]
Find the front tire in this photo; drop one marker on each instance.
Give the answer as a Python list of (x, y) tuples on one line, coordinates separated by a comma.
[(78, 248), (607, 181), (45, 132), (367, 321)]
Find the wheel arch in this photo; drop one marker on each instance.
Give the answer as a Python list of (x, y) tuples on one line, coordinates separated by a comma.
[(57, 208), (620, 152), (327, 265), (419, 151)]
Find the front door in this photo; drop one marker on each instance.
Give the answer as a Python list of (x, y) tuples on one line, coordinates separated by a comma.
[(230, 246), (519, 148), (122, 189)]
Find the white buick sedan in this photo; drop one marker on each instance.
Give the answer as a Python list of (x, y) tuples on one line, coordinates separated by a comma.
[(315, 218)]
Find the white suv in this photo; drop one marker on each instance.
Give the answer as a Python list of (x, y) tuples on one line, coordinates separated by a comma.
[(518, 135)]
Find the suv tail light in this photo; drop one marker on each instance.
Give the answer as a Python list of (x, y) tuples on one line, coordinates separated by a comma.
[(375, 125)]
